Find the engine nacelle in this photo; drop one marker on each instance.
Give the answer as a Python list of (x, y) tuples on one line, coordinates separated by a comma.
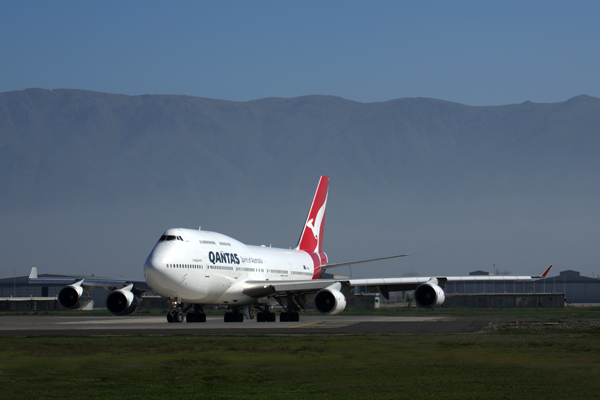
[(74, 297), (429, 295), (121, 302), (330, 301)]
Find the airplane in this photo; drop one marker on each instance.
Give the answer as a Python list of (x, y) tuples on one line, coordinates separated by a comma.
[(196, 268)]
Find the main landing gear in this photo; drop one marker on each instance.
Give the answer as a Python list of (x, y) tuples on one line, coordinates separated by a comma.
[(177, 313), (238, 313), (195, 313), (289, 316), (266, 316), (234, 316), (291, 304), (195, 317)]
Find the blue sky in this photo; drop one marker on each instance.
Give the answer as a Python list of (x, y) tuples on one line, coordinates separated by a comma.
[(471, 52)]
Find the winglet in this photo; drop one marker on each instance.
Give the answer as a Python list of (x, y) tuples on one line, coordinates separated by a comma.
[(544, 274), (33, 273)]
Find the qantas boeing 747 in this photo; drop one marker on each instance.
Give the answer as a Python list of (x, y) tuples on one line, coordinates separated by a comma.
[(195, 268)]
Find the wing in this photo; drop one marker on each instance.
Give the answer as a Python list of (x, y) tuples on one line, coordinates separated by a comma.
[(376, 285), (139, 287), (387, 285)]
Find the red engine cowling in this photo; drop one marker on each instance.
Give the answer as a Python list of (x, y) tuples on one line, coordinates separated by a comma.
[(429, 295), (121, 302), (330, 301), (74, 297)]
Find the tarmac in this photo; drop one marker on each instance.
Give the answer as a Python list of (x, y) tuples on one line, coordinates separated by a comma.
[(319, 325)]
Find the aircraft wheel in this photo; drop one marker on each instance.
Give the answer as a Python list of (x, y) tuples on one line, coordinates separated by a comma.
[(239, 317), (261, 317), (179, 317), (190, 317), (200, 317), (284, 317), (228, 317), (170, 317), (294, 317)]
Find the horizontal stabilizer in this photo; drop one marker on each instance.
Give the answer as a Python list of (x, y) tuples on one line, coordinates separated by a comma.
[(346, 263)]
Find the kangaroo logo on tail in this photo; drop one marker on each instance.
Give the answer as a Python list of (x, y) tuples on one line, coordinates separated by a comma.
[(311, 239)]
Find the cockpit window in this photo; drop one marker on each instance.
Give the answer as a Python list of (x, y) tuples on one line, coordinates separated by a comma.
[(169, 238)]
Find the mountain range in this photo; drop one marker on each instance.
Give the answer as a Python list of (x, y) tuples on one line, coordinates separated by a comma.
[(90, 180)]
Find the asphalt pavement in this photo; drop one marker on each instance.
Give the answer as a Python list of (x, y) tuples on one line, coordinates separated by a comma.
[(339, 324)]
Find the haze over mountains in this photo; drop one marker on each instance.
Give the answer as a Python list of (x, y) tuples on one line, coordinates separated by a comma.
[(89, 180)]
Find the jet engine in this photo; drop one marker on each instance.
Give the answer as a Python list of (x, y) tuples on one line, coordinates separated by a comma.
[(74, 297), (330, 301), (429, 295), (121, 302)]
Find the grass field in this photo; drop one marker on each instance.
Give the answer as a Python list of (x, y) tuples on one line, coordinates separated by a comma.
[(518, 361)]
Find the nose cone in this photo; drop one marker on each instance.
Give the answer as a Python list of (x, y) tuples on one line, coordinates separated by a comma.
[(155, 272)]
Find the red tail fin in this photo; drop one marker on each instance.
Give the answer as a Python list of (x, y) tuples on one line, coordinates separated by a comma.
[(546, 271), (311, 239)]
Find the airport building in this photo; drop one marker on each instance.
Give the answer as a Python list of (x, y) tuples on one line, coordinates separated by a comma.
[(576, 288), (17, 294), (567, 287), (19, 287)]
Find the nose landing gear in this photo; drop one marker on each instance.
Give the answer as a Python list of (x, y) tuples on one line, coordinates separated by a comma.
[(175, 316)]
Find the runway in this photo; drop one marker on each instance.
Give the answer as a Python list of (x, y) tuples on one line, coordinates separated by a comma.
[(82, 326)]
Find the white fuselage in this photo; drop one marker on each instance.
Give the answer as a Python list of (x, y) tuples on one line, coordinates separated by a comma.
[(204, 267)]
